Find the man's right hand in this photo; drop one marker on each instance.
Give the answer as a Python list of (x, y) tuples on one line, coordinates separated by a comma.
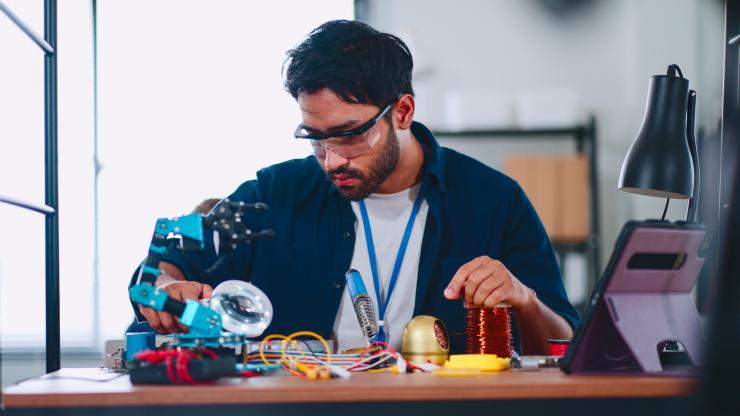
[(164, 322)]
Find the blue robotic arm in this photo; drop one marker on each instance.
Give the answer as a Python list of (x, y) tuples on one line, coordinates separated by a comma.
[(186, 233)]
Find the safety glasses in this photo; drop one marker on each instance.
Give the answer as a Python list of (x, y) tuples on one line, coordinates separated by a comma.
[(347, 144)]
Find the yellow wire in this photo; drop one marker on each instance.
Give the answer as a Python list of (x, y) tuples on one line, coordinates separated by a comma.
[(309, 334), (283, 353), (379, 370), (262, 346), (285, 359)]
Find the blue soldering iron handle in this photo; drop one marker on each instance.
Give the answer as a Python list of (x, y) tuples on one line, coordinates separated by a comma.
[(363, 304), (355, 285)]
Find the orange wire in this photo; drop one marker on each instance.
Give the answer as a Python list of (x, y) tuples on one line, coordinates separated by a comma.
[(488, 331)]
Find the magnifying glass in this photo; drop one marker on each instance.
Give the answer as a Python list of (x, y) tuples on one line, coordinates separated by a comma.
[(244, 308)]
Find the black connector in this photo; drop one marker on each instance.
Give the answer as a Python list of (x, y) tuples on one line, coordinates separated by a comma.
[(200, 370)]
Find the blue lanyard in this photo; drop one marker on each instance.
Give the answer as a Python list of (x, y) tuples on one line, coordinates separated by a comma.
[(383, 306)]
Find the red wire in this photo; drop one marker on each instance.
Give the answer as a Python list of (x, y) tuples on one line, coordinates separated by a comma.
[(170, 370), (384, 345), (209, 353), (182, 368), (176, 362), (488, 331)]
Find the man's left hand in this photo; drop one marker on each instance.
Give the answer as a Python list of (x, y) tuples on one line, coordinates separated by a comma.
[(485, 282)]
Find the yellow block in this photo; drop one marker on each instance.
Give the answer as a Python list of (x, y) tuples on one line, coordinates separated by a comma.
[(480, 362), (456, 372)]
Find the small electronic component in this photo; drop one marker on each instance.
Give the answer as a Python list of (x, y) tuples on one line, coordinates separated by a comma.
[(534, 362), (180, 367), (137, 342), (113, 357), (425, 340), (558, 347)]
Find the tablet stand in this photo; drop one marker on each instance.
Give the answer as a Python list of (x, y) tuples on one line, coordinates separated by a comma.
[(644, 305)]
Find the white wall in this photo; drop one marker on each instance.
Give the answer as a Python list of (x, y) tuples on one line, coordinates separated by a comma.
[(605, 51)]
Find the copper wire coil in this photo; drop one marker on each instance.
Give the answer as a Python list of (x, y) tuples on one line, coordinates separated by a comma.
[(488, 331)]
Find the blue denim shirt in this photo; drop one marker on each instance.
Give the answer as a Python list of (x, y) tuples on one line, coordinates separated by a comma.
[(474, 210)]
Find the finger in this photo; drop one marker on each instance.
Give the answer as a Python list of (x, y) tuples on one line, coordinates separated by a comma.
[(485, 289), (494, 298), (191, 290), (206, 291), (151, 317), (168, 322), (458, 280), (474, 280), (471, 285), (183, 328)]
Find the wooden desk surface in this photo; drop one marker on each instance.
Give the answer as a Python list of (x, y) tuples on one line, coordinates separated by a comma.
[(48, 391)]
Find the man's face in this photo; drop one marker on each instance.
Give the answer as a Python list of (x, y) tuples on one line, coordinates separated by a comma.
[(356, 177)]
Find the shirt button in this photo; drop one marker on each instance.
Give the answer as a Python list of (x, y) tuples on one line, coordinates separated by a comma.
[(346, 235), (337, 285)]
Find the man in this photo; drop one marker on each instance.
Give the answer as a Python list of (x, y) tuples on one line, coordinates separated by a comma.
[(432, 230)]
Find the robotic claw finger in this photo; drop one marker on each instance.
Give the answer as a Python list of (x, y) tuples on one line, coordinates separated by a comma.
[(237, 310)]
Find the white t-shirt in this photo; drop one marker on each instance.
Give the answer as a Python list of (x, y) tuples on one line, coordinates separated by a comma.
[(388, 214)]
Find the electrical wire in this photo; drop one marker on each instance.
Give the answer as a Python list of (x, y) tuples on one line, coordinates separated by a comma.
[(312, 364), (304, 362), (676, 68), (311, 334), (176, 361), (665, 210), (58, 377), (489, 331), (265, 340)]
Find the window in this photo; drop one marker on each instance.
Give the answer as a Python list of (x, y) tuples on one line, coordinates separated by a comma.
[(190, 105), (22, 241)]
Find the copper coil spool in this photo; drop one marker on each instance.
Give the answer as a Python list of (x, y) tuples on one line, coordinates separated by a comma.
[(488, 331)]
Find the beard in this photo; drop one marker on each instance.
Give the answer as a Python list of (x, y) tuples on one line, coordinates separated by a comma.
[(382, 165)]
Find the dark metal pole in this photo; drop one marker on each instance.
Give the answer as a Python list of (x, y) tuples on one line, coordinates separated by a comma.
[(723, 363), (595, 238), (53, 336), (730, 138)]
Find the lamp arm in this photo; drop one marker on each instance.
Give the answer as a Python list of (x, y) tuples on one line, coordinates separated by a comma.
[(690, 116)]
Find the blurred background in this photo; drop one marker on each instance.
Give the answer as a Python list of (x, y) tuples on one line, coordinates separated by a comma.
[(190, 104)]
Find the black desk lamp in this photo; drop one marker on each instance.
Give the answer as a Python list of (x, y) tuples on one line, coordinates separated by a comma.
[(662, 161)]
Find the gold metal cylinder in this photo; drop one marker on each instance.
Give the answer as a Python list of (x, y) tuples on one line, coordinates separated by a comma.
[(425, 340)]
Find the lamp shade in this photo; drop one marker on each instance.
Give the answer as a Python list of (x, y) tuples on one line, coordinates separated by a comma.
[(659, 162)]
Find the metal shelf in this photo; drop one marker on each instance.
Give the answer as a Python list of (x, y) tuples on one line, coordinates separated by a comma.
[(548, 132)]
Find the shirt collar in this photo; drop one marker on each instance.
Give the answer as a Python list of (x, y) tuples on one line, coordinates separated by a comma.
[(434, 163), (433, 158)]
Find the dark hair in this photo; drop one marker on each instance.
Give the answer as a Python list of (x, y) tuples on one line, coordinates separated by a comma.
[(355, 61)]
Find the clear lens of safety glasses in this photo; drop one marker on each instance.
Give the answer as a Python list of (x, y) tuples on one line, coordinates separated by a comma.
[(347, 147)]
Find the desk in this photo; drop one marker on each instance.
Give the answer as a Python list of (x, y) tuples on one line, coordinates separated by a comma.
[(363, 393)]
